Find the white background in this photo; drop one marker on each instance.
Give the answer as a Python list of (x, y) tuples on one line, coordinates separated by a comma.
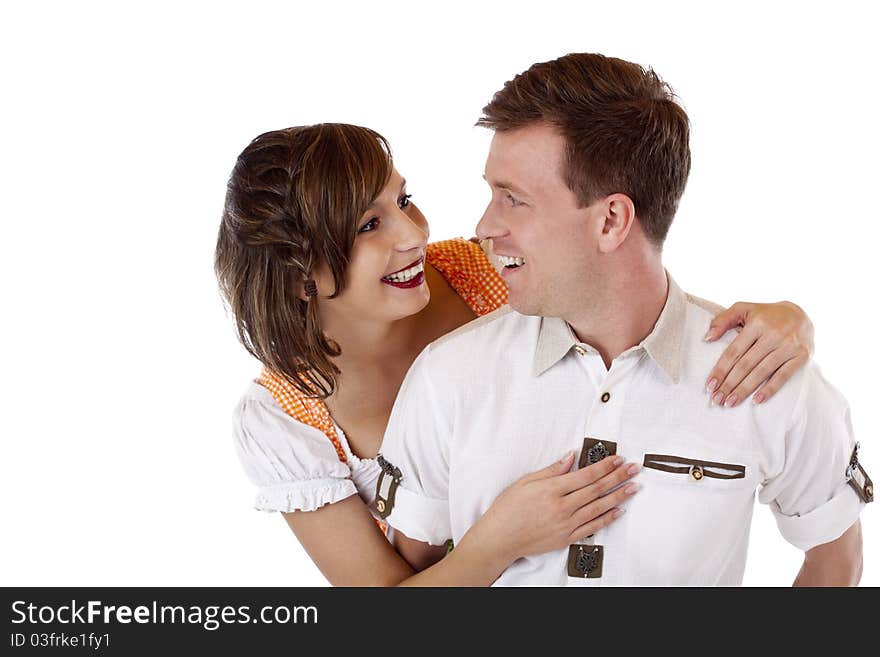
[(121, 124)]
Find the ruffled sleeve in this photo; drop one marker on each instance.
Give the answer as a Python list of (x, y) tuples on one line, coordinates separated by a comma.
[(294, 466)]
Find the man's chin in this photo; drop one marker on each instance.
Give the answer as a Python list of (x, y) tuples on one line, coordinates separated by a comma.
[(524, 306)]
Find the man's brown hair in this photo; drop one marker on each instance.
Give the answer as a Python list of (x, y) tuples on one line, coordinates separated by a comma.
[(293, 201), (624, 130)]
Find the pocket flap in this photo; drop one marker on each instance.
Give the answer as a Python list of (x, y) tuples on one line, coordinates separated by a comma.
[(696, 468)]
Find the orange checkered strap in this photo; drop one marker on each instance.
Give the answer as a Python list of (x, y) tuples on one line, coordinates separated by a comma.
[(308, 410), (467, 269)]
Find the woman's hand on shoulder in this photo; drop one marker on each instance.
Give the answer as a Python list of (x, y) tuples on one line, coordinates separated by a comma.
[(775, 342)]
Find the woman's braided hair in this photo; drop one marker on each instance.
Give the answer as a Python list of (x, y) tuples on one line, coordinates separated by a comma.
[(293, 202)]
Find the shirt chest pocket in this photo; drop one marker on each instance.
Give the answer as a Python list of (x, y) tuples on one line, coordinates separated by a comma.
[(695, 472), (689, 493), (695, 503)]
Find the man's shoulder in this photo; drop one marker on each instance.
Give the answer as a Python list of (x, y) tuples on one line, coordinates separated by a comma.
[(701, 356), (486, 329), (708, 307)]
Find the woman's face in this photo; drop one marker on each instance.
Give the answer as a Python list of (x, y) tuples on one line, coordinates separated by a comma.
[(385, 278)]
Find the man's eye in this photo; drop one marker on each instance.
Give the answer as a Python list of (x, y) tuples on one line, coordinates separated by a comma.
[(371, 225), (403, 201), (512, 200)]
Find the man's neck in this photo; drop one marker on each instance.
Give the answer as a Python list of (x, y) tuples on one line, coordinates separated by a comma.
[(630, 304)]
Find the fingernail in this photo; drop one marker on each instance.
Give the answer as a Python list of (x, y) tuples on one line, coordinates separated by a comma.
[(708, 334), (617, 513), (567, 456), (758, 398), (717, 398), (731, 401), (618, 460), (633, 469), (632, 488), (713, 383)]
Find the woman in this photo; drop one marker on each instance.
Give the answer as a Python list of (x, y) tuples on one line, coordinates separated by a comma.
[(325, 264)]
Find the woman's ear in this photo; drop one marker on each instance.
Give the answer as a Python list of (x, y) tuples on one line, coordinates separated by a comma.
[(616, 219), (299, 288)]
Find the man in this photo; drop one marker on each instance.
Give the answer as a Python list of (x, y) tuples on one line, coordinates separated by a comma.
[(600, 351)]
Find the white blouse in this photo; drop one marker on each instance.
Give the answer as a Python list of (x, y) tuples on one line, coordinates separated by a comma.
[(295, 466)]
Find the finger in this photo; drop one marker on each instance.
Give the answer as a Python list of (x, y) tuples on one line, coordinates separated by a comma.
[(779, 378), (734, 351), (727, 319), (585, 476), (746, 364), (589, 513), (591, 527), (762, 372), (583, 496), (556, 468)]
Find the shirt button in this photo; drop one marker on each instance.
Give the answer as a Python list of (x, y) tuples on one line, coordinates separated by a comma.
[(580, 349), (605, 397)]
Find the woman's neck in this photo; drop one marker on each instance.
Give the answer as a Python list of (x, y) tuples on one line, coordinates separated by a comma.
[(372, 345)]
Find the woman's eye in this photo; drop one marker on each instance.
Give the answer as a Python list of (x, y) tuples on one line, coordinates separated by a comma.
[(403, 201), (371, 225)]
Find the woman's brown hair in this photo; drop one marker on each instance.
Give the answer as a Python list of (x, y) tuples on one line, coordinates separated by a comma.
[(293, 202)]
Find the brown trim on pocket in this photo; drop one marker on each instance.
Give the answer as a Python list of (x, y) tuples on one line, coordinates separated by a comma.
[(688, 466)]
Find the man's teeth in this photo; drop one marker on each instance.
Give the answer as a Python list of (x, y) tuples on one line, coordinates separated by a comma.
[(406, 274), (511, 261)]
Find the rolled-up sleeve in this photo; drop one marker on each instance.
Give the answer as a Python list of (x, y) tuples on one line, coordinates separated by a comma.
[(417, 443), (294, 466), (808, 493)]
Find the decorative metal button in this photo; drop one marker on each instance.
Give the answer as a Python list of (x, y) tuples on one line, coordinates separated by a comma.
[(380, 506), (585, 561), (869, 491), (580, 349), (596, 453), (696, 472), (594, 450), (605, 397)]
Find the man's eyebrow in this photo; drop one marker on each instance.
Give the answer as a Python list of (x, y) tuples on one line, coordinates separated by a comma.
[(501, 184)]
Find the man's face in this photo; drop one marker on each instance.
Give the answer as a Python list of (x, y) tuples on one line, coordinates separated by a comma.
[(537, 229)]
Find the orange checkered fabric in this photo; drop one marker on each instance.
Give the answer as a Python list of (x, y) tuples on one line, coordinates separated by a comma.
[(467, 269), (308, 410)]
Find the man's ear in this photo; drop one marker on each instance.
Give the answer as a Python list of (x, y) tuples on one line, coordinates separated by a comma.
[(617, 216)]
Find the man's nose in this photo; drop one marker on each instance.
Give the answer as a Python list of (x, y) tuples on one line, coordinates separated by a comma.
[(489, 226)]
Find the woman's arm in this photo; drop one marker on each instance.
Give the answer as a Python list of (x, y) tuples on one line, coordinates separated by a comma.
[(775, 342), (543, 511)]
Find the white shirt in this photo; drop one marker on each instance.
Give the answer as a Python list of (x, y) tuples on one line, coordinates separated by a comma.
[(295, 466), (509, 394)]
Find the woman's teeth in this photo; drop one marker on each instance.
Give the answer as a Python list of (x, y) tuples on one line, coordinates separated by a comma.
[(406, 274), (511, 261)]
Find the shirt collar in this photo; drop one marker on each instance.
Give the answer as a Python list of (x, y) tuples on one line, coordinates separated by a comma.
[(663, 344)]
